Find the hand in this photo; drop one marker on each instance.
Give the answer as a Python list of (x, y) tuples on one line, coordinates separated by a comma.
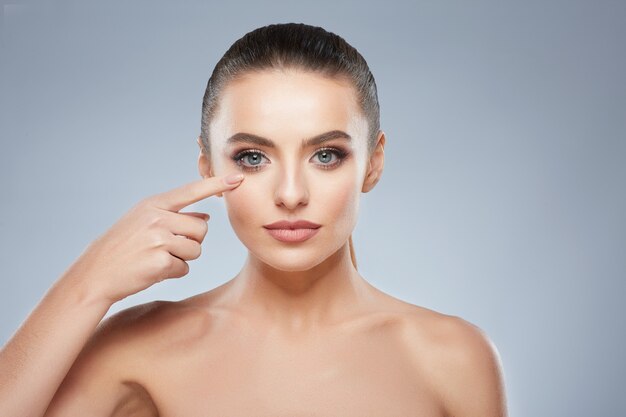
[(150, 243)]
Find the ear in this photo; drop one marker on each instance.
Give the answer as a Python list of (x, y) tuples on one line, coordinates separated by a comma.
[(204, 165), (376, 164)]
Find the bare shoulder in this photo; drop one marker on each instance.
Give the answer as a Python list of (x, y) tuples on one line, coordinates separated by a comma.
[(126, 322), (459, 359), (109, 376), (141, 334), (101, 379)]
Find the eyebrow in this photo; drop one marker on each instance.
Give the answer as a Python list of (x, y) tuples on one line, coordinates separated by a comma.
[(249, 138)]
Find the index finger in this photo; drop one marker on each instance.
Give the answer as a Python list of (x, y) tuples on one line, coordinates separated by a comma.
[(178, 198)]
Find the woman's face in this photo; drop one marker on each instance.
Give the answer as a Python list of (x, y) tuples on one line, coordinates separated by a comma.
[(286, 178)]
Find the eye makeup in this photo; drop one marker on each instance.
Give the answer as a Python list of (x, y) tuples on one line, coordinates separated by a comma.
[(242, 156)]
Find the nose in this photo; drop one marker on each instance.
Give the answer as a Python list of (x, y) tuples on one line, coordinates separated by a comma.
[(291, 188)]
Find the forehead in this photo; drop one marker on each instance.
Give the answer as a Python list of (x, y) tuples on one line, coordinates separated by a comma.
[(287, 105)]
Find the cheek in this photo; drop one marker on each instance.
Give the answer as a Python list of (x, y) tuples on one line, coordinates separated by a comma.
[(243, 205), (338, 199)]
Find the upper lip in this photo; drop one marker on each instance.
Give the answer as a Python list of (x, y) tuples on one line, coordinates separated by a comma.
[(298, 224)]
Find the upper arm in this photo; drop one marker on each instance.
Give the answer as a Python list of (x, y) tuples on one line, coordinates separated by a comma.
[(470, 377), (94, 385)]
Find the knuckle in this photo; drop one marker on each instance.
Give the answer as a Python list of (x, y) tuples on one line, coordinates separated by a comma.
[(181, 269), (155, 219), (204, 228), (197, 250), (163, 260), (158, 240)]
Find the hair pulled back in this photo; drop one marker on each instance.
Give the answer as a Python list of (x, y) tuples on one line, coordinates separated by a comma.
[(298, 46)]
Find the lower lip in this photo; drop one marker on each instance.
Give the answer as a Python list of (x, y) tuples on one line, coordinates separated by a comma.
[(292, 235)]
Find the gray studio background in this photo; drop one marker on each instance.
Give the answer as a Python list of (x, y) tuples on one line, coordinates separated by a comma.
[(502, 199)]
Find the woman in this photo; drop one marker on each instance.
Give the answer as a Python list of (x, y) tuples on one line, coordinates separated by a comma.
[(298, 331)]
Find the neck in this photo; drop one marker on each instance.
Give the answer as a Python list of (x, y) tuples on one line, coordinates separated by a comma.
[(300, 300)]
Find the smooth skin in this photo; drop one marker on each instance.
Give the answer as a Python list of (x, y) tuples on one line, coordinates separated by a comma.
[(298, 331), (150, 243)]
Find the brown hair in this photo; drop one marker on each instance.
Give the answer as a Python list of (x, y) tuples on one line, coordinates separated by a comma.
[(300, 46)]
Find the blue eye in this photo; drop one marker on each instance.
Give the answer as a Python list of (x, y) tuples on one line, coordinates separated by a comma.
[(251, 156), (254, 157), (325, 156)]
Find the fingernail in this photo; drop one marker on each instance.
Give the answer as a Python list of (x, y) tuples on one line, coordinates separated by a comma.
[(233, 178)]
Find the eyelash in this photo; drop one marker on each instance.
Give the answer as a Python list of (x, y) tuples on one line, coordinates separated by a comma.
[(341, 156)]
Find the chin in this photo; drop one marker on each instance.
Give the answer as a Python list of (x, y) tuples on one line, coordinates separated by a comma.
[(292, 257), (290, 265)]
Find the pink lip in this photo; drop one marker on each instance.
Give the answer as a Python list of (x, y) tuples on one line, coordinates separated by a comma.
[(292, 235), (299, 224), (297, 231)]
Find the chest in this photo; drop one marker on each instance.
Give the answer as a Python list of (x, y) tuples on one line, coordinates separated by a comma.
[(324, 377)]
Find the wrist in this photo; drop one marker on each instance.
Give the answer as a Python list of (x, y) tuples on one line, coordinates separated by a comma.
[(81, 292)]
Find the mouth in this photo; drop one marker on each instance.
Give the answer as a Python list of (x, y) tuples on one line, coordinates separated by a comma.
[(292, 235), (298, 224), (297, 231)]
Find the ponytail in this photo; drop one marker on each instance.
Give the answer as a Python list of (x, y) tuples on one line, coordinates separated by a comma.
[(352, 254)]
